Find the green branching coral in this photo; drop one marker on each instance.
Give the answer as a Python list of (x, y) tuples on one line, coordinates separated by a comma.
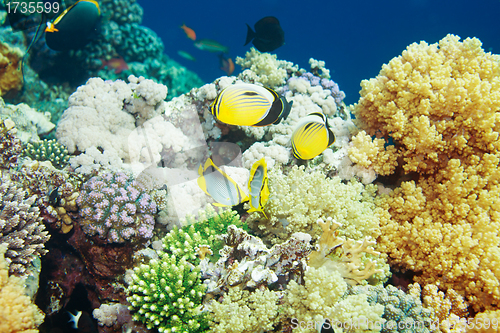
[(48, 150), (167, 294), (403, 312), (184, 242)]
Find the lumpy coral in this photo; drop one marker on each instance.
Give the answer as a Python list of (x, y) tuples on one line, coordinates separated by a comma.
[(440, 104), (115, 208), (437, 102), (48, 150), (10, 145), (300, 198)]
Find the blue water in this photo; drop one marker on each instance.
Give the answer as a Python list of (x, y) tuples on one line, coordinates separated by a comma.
[(354, 37)]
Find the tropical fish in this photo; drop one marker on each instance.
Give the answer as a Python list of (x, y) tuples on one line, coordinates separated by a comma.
[(118, 64), (258, 187), (268, 35), (250, 105), (311, 136), (226, 64), (74, 27), (210, 46), (217, 184), (186, 55), (74, 318), (189, 32)]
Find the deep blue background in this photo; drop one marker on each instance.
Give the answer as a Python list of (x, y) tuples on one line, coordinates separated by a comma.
[(354, 37)]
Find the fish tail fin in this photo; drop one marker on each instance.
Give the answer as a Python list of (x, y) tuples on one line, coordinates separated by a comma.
[(250, 35), (287, 106)]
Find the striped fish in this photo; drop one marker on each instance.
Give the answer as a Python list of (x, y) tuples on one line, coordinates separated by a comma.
[(250, 105), (217, 184), (258, 187), (311, 136)]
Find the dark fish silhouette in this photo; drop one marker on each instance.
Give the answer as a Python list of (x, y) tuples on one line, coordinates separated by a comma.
[(268, 35)]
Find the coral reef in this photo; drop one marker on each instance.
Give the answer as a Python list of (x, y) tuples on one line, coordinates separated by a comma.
[(56, 192), (400, 309), (17, 313), (20, 227), (11, 79), (265, 68), (300, 198), (187, 241), (166, 294), (30, 123), (115, 208), (48, 150), (439, 104), (10, 145), (244, 312)]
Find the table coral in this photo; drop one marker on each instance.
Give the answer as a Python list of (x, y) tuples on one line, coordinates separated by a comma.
[(20, 227), (17, 313), (115, 208), (11, 79)]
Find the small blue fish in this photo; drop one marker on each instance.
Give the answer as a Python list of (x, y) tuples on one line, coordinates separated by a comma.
[(217, 184), (186, 55), (258, 187)]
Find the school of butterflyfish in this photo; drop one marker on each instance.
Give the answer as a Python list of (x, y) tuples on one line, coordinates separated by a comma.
[(253, 105)]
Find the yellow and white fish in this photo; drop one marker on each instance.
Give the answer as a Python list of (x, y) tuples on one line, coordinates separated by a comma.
[(217, 184), (311, 136), (250, 105), (258, 187)]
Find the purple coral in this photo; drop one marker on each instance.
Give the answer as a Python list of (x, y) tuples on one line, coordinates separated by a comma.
[(326, 84), (116, 208)]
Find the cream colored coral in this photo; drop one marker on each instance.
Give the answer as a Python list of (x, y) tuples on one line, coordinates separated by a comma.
[(300, 198), (242, 311), (436, 101), (371, 153), (315, 300), (17, 312), (485, 322), (264, 68)]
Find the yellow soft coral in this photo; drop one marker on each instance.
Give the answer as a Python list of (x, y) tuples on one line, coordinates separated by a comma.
[(447, 228), (485, 322), (371, 153), (450, 311), (436, 101), (11, 79), (17, 313)]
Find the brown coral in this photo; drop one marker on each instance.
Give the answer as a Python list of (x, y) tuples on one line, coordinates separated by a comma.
[(11, 78)]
